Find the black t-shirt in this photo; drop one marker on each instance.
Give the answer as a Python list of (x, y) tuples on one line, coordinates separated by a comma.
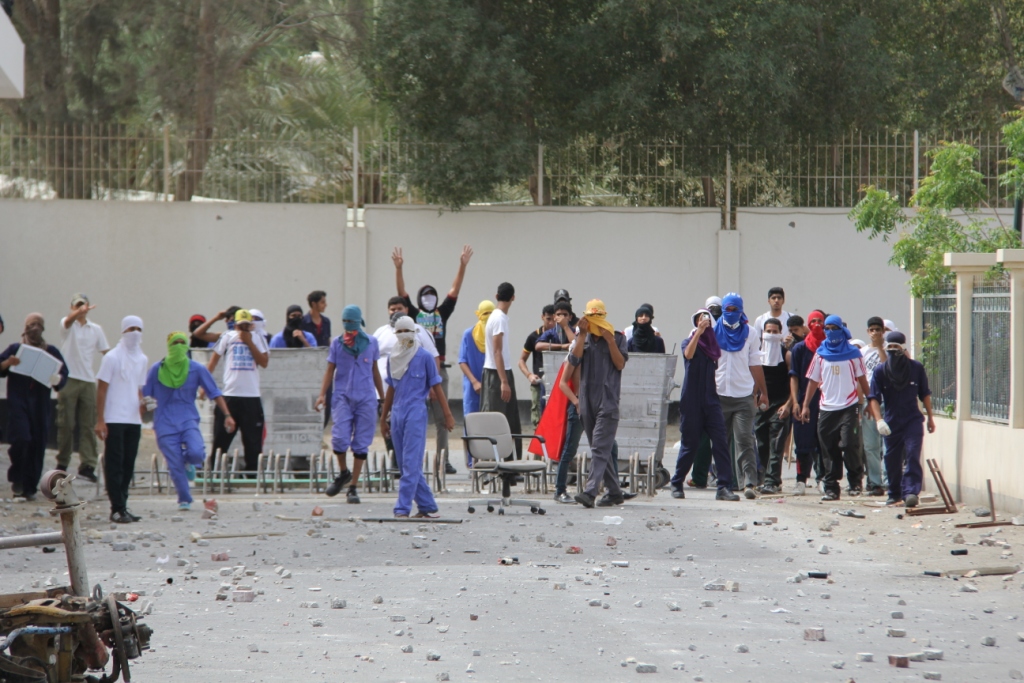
[(435, 322), (531, 347), (777, 379)]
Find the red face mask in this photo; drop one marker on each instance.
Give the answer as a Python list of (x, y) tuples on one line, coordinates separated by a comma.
[(816, 325)]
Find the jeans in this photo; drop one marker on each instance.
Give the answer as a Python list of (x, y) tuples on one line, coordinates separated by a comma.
[(573, 433), (872, 451)]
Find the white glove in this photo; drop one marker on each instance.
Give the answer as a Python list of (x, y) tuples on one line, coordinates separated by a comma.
[(55, 379), (883, 427), (149, 402)]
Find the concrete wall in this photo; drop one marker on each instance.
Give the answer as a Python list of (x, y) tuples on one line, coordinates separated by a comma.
[(166, 261)]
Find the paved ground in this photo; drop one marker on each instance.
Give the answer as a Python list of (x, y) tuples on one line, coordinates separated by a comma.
[(431, 579)]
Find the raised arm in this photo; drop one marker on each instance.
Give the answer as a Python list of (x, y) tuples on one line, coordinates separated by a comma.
[(202, 332), (467, 253), (396, 257)]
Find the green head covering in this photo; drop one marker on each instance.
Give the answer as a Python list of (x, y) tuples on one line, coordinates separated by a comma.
[(174, 368)]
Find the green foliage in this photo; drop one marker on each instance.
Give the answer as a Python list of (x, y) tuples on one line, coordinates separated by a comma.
[(1013, 138), (946, 219)]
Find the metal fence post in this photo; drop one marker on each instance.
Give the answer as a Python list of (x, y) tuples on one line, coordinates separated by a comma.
[(540, 175), (917, 160), (167, 163), (728, 191), (355, 175)]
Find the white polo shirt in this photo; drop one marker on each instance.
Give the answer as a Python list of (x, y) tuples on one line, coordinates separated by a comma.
[(80, 345), (733, 378)]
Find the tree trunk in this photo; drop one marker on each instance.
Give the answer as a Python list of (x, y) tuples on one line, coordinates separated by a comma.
[(198, 148), (709, 190)]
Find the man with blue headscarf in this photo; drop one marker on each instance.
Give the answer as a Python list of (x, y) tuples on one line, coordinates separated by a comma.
[(740, 383), (352, 366), (838, 368)]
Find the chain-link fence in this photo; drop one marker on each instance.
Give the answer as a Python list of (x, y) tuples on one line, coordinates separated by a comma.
[(990, 348), (939, 347), (156, 164)]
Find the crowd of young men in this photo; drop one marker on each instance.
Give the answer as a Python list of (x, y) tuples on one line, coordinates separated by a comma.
[(752, 393)]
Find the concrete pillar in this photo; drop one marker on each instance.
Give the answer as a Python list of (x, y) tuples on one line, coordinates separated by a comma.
[(965, 266), (916, 339), (355, 258), (1013, 262)]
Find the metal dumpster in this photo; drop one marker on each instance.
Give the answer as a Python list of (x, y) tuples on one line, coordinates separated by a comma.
[(647, 381), (289, 386)]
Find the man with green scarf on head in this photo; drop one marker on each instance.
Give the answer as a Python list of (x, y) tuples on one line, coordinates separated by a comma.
[(170, 392)]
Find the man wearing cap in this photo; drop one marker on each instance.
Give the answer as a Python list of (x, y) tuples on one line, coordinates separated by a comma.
[(81, 340), (838, 368), (900, 383), (119, 416), (201, 335), (245, 352), (193, 324), (600, 356), (433, 316)]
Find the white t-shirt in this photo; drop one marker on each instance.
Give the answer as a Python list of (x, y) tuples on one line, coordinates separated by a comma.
[(733, 378), (782, 318), (387, 339), (838, 380), (79, 346), (497, 323), (241, 374), (122, 405), (872, 358)]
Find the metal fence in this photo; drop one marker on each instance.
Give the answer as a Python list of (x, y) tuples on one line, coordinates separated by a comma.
[(939, 352), (990, 348), (156, 164)]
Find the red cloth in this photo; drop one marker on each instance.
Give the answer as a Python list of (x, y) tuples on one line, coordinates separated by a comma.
[(816, 334), (552, 422)]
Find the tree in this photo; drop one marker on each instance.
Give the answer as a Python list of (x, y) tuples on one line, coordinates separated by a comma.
[(947, 217)]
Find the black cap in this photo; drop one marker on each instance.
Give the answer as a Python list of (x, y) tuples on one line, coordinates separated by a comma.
[(562, 295)]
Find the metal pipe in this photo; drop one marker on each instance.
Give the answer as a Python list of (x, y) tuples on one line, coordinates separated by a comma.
[(72, 533), (31, 540), (31, 631), (917, 159), (728, 191)]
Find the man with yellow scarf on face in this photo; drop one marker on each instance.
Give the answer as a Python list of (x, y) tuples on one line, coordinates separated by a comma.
[(471, 359), (599, 353)]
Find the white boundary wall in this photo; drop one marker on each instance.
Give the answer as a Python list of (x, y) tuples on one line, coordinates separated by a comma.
[(166, 261)]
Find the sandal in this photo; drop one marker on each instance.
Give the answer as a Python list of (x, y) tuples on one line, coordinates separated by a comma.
[(401, 516), (427, 515)]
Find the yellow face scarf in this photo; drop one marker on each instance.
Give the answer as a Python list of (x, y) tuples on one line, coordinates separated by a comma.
[(596, 315), (483, 312)]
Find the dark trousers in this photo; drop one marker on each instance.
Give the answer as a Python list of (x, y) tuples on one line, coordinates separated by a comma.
[(702, 462), (771, 432), (248, 414), (573, 433), (805, 442), (840, 440), (694, 422), (26, 464), (903, 460), (119, 451), (490, 402)]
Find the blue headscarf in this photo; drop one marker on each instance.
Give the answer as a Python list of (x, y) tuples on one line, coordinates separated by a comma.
[(732, 330), (354, 340), (837, 346)]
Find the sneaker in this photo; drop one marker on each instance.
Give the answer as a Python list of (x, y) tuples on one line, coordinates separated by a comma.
[(184, 506), (427, 515), (352, 497), (607, 501), (565, 498), (830, 495), (689, 482), (876, 491), (800, 489), (911, 501), (120, 517), (854, 491), (190, 472), (339, 483), (770, 488), (678, 493), (725, 494), (584, 499), (450, 468), (749, 493), (134, 518), (87, 473), (16, 490)]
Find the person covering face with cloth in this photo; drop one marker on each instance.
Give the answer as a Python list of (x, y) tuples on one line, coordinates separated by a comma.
[(29, 410), (411, 377), (772, 431), (900, 383), (699, 408), (352, 366), (805, 432), (741, 387), (838, 368), (170, 392), (293, 336), (472, 352), (645, 338), (600, 354), (119, 415)]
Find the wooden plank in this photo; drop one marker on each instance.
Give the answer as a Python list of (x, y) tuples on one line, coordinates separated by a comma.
[(983, 571)]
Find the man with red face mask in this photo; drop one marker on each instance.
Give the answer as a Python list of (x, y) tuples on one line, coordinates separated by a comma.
[(805, 434)]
